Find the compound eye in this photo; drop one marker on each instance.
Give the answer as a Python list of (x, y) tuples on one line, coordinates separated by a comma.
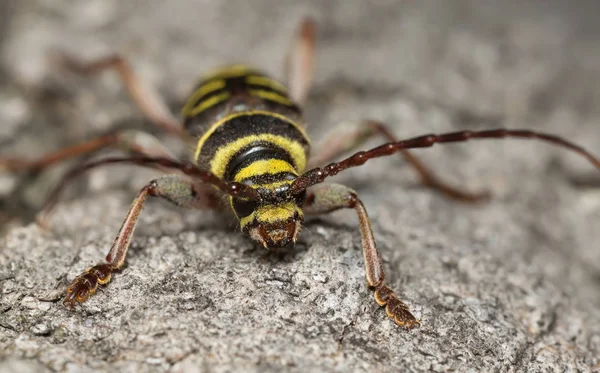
[(243, 208), (300, 198)]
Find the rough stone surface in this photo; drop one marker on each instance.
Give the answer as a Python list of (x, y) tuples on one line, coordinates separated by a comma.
[(508, 286)]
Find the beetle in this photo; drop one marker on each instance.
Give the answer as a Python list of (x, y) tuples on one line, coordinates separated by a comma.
[(250, 146)]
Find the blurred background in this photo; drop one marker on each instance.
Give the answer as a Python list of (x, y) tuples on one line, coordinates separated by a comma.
[(513, 282), (421, 66)]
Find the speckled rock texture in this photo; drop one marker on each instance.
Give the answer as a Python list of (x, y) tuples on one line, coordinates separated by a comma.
[(507, 286)]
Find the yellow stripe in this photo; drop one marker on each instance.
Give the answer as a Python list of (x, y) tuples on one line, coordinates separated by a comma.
[(227, 72), (272, 213), (266, 82), (201, 91), (227, 151), (208, 103), (219, 123), (264, 166), (271, 96)]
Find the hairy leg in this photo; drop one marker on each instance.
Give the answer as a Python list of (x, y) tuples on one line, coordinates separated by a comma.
[(329, 197), (175, 189), (337, 145)]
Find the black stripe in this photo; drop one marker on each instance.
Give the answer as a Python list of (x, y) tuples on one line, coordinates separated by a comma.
[(251, 124), (274, 105), (237, 85), (251, 154), (249, 72), (206, 97), (267, 89), (232, 85)]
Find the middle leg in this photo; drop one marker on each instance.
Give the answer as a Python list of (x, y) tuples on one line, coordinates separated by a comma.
[(330, 197), (337, 145)]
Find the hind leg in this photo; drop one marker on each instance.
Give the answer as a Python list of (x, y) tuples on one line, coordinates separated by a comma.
[(300, 61), (146, 99), (143, 95)]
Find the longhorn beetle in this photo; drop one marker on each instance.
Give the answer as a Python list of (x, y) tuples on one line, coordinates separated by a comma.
[(251, 146)]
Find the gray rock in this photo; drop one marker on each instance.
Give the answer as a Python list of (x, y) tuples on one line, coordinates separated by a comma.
[(507, 286)]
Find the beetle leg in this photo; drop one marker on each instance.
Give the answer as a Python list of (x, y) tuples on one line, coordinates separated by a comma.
[(166, 164), (337, 145), (299, 62), (145, 97), (127, 140), (329, 197), (175, 189)]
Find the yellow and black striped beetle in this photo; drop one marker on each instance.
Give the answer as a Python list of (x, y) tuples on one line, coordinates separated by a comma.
[(251, 146)]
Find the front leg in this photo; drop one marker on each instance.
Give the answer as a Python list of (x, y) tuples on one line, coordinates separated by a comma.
[(175, 189), (329, 197)]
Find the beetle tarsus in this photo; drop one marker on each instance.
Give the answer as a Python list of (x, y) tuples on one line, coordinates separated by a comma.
[(394, 307), (86, 284)]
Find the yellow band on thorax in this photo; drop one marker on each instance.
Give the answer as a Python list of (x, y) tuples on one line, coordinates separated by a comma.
[(224, 154), (264, 166)]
